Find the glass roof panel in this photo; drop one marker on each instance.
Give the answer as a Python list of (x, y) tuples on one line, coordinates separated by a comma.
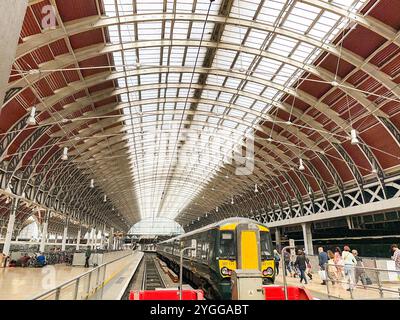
[(205, 98)]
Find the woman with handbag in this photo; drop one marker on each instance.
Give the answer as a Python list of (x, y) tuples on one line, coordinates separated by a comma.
[(331, 268)]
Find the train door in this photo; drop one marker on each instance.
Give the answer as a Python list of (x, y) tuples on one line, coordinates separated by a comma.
[(248, 243)]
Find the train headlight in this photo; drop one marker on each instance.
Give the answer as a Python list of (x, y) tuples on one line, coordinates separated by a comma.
[(225, 271), (268, 272)]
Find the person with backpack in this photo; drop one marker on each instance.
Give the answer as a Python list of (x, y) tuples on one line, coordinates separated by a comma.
[(360, 272), (301, 263), (277, 259), (322, 261)]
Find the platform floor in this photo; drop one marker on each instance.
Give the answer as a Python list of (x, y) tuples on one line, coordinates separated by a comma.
[(117, 282), (319, 290), (25, 283)]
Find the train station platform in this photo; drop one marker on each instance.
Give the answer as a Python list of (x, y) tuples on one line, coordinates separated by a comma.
[(27, 283), (338, 291)]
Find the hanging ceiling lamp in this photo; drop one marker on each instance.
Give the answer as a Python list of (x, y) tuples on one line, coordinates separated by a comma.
[(216, 209), (301, 165), (256, 188), (31, 120), (64, 156), (232, 201), (91, 183), (354, 137), (105, 198)]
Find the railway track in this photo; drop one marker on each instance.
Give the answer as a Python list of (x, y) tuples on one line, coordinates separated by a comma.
[(152, 278)]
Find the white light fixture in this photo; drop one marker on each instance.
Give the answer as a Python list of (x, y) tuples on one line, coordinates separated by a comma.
[(309, 190), (373, 169), (301, 165), (232, 201), (354, 138), (92, 183), (105, 198), (256, 188), (8, 200), (64, 156), (216, 209), (334, 83), (269, 139), (31, 120)]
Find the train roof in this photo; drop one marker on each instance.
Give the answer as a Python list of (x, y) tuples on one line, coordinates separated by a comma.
[(213, 225)]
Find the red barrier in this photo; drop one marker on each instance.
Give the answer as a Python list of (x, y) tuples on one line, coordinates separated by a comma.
[(278, 293), (166, 295)]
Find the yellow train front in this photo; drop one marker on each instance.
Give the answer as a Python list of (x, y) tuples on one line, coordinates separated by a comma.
[(220, 248)]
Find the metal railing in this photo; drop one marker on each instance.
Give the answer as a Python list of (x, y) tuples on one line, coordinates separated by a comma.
[(83, 286), (357, 282)]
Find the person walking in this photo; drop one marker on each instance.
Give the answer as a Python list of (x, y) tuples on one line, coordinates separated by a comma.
[(277, 259), (349, 265), (301, 264), (359, 272), (339, 263), (286, 262), (88, 253), (332, 271), (396, 258), (322, 261)]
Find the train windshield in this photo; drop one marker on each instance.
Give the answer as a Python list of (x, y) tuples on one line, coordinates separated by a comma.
[(227, 245), (266, 245)]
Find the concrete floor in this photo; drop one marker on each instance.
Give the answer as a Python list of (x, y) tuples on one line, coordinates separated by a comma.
[(25, 283)]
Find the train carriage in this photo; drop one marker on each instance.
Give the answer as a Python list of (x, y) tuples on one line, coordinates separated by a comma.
[(220, 248)]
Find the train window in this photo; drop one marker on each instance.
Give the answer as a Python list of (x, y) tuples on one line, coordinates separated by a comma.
[(227, 245), (266, 245)]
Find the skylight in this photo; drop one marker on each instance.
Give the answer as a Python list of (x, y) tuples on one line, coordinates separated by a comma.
[(174, 150)]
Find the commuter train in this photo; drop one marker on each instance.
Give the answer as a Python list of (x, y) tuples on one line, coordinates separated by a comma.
[(220, 248)]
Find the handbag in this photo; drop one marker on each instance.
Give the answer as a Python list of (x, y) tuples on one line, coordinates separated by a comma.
[(322, 275)]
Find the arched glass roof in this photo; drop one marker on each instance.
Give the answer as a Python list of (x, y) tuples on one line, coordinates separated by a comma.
[(155, 101), (156, 226), (179, 117)]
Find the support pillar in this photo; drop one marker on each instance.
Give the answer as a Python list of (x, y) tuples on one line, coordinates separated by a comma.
[(78, 239), (111, 239), (90, 235), (278, 238), (307, 236), (65, 235), (103, 233), (10, 227), (44, 231), (95, 233), (92, 238), (12, 14)]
